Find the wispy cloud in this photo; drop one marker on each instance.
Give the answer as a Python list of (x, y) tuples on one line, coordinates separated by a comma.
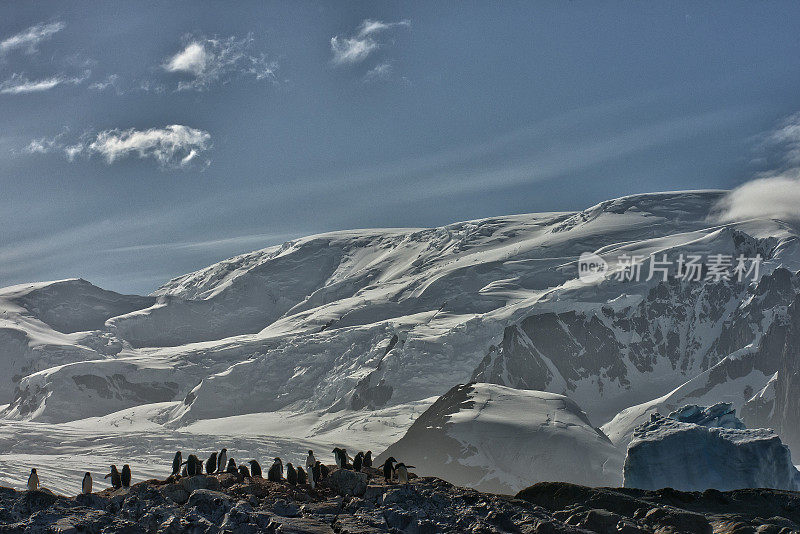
[(380, 72), (357, 48), (772, 194), (206, 61), (19, 84), (29, 39), (173, 146), (110, 82)]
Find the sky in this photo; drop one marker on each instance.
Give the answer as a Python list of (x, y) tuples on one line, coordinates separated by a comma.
[(140, 141)]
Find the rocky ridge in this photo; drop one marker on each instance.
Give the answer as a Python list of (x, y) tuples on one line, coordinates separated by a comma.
[(351, 502)]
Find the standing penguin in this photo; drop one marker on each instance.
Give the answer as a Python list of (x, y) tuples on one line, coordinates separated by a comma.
[(367, 459), (358, 461), (342, 460), (231, 467), (211, 464), (255, 469), (402, 472), (86, 485), (316, 474), (191, 465), (302, 478), (33, 480), (243, 471), (291, 474), (126, 476), (323, 471), (310, 460), (177, 461), (388, 468), (198, 466), (222, 460), (116, 479), (275, 473)]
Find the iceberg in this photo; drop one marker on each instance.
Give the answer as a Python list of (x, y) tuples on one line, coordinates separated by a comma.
[(697, 448)]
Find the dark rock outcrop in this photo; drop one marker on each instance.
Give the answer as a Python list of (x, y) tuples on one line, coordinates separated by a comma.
[(426, 505)]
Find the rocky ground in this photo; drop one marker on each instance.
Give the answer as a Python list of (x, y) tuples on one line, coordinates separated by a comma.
[(350, 502)]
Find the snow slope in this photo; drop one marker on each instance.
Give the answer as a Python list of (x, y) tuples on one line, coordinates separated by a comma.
[(355, 322), (502, 440)]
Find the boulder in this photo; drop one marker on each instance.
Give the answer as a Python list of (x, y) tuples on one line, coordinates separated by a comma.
[(197, 482), (347, 483), (175, 492)]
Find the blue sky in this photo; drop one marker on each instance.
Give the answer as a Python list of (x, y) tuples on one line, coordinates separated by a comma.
[(139, 141)]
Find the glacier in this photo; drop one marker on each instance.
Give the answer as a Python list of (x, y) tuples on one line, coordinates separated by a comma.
[(345, 338), (696, 448)]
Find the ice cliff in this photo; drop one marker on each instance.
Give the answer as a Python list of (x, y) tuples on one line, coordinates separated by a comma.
[(696, 448)]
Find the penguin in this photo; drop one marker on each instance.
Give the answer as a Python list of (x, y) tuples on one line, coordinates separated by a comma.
[(402, 472), (310, 460), (291, 474), (191, 466), (243, 471), (177, 461), (323, 471), (33, 480), (342, 458), (198, 466), (231, 466), (255, 469), (126, 476), (275, 473), (388, 469), (358, 461), (86, 485), (316, 474), (302, 477), (222, 460), (211, 464), (367, 459), (116, 480)]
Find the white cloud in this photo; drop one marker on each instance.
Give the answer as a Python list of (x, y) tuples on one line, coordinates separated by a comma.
[(192, 59), (29, 39), (775, 197), (207, 61), (351, 50), (175, 145), (787, 138), (19, 84), (776, 194), (370, 27)]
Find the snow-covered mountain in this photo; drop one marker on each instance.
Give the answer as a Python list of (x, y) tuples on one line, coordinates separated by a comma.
[(501, 440), (344, 325)]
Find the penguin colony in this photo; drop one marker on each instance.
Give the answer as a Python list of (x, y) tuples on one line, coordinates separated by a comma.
[(218, 463)]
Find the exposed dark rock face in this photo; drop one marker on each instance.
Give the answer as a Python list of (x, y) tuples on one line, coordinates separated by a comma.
[(778, 405), (679, 330)]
